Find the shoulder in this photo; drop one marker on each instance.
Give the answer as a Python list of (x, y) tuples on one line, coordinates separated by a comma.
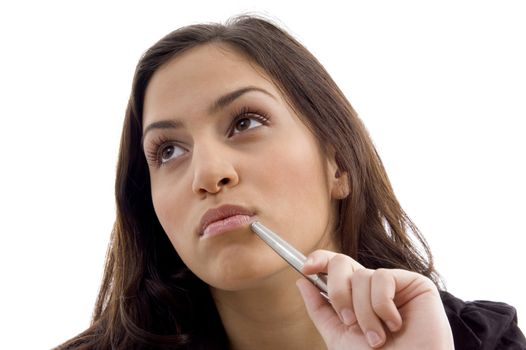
[(483, 324)]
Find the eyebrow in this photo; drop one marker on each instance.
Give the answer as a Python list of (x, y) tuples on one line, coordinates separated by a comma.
[(220, 103)]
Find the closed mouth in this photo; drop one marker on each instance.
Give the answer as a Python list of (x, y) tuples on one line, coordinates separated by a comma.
[(223, 217)]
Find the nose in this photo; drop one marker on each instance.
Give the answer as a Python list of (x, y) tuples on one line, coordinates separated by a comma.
[(213, 169)]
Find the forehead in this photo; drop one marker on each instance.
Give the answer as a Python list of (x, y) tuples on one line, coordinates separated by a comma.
[(194, 79)]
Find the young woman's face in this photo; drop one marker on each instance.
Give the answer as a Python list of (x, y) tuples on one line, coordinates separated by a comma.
[(218, 133)]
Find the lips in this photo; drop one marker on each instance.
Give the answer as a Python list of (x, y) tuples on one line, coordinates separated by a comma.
[(223, 218)]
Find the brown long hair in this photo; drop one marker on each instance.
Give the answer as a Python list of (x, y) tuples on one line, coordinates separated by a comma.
[(148, 298)]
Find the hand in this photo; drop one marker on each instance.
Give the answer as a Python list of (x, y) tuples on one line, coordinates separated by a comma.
[(384, 308)]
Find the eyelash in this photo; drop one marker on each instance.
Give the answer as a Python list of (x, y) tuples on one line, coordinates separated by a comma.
[(246, 112), (154, 153)]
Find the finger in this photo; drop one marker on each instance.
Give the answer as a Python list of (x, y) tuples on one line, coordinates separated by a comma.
[(321, 313), (410, 285), (368, 321), (383, 289), (340, 270), (318, 262)]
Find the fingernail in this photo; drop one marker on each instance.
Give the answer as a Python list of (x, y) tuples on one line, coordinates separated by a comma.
[(309, 261), (347, 316), (373, 338)]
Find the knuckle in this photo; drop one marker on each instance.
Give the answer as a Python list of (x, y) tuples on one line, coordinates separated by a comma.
[(321, 255), (360, 275), (340, 259), (316, 253), (340, 292), (382, 274), (428, 284), (424, 281), (340, 296), (381, 306)]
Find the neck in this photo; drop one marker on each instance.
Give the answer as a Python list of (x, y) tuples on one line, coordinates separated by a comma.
[(269, 317)]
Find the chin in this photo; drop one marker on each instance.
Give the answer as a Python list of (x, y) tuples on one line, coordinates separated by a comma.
[(244, 270)]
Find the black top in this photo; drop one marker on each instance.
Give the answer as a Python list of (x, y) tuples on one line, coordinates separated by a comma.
[(483, 325)]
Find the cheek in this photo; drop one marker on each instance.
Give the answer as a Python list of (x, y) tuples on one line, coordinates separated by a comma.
[(296, 192), (298, 168), (170, 212), (175, 218)]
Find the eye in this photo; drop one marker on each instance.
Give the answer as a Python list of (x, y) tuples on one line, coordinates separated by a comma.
[(168, 152), (162, 151), (247, 119), (246, 123)]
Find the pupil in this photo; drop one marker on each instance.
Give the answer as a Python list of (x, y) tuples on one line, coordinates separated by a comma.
[(168, 151), (243, 124)]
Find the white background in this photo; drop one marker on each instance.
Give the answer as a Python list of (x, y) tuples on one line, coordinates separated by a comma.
[(441, 88)]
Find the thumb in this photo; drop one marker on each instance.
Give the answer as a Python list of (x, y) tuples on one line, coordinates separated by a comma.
[(319, 309)]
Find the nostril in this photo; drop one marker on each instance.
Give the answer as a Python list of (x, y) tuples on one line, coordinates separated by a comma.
[(224, 181)]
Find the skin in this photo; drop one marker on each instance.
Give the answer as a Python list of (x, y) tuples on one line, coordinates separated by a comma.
[(276, 169)]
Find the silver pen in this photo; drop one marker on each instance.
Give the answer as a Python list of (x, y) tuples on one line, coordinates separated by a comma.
[(290, 254)]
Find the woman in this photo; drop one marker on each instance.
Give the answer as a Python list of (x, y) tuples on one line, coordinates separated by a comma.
[(236, 123)]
